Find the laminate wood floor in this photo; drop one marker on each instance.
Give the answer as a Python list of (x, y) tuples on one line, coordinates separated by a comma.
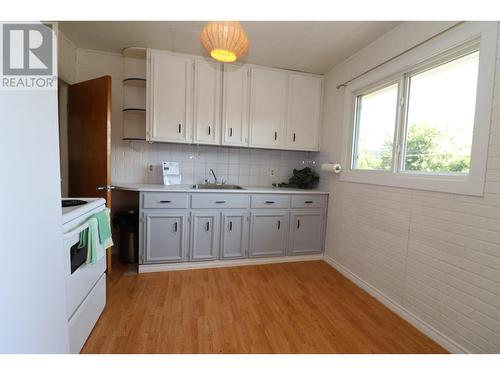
[(303, 307)]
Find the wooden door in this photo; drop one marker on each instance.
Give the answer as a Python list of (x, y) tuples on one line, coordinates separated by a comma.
[(89, 140), (304, 107), (207, 95), (171, 98), (235, 98), (268, 98)]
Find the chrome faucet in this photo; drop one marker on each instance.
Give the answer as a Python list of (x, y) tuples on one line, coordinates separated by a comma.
[(211, 171)]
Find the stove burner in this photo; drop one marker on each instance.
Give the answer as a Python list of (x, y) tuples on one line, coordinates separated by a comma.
[(72, 202)]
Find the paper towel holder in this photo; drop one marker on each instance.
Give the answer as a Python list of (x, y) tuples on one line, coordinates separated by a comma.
[(331, 167)]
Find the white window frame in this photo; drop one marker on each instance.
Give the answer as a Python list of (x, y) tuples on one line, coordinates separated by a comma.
[(433, 53)]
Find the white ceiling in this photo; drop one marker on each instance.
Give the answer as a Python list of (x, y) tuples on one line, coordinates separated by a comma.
[(309, 46)]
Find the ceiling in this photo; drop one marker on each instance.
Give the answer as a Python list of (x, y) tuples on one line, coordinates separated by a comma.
[(309, 46)]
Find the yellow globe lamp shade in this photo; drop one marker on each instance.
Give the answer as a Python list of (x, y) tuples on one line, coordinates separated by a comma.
[(223, 55), (226, 41)]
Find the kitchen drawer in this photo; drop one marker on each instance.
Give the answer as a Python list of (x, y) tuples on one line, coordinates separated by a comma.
[(270, 201), (309, 201), (84, 319), (220, 201), (165, 200)]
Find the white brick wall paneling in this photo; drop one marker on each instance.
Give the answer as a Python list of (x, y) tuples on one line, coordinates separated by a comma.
[(437, 255)]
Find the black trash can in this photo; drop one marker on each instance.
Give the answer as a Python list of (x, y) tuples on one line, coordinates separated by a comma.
[(128, 223)]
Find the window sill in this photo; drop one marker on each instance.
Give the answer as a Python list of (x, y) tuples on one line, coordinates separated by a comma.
[(464, 185)]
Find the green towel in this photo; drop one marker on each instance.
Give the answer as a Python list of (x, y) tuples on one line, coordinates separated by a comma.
[(89, 238), (97, 237), (103, 224)]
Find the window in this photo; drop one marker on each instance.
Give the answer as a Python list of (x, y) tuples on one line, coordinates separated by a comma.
[(376, 118), (440, 120), (440, 102), (422, 120)]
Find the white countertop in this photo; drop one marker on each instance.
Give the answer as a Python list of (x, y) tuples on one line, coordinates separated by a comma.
[(71, 213), (189, 189)]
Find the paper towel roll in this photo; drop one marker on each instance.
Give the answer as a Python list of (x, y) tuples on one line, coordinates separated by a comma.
[(331, 167)]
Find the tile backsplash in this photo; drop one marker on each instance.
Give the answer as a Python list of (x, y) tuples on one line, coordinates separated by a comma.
[(248, 167)]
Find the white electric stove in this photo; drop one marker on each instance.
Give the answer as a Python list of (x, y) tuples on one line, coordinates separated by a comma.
[(85, 283)]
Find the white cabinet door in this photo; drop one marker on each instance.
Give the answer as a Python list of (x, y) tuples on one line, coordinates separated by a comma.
[(268, 233), (307, 232), (165, 237), (235, 227), (235, 97), (304, 112), (205, 235), (171, 103), (268, 106), (207, 102)]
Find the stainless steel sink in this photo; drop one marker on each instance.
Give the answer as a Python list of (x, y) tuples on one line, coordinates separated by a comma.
[(218, 187)]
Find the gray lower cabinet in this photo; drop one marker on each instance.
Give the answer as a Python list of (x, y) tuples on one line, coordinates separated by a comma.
[(182, 227), (234, 236), (205, 234), (165, 237), (306, 232), (268, 233)]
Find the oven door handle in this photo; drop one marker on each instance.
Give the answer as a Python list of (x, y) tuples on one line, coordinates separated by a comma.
[(79, 229)]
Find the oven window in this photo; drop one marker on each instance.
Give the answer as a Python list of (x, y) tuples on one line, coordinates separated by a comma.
[(78, 256)]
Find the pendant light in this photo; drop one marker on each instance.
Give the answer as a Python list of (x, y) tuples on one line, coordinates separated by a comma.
[(226, 41)]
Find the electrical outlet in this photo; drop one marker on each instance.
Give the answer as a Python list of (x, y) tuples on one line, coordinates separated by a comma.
[(272, 172), (151, 168)]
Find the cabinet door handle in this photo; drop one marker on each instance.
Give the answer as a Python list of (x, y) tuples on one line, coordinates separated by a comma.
[(308, 202), (179, 128), (275, 136), (298, 224), (279, 224), (175, 227), (165, 201), (220, 201), (270, 202), (207, 227), (230, 226), (294, 137), (230, 132), (209, 130)]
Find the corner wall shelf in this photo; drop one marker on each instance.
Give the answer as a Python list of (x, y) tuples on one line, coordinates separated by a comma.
[(132, 139), (134, 84), (134, 109), (134, 79), (134, 52)]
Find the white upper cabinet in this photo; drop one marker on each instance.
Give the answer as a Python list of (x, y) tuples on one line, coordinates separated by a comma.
[(171, 92), (207, 101), (235, 105), (194, 100), (268, 108), (304, 112)]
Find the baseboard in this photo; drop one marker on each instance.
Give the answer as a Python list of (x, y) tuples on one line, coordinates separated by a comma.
[(411, 318), (145, 268)]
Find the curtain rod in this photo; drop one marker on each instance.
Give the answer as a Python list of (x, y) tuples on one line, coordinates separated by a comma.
[(398, 55)]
